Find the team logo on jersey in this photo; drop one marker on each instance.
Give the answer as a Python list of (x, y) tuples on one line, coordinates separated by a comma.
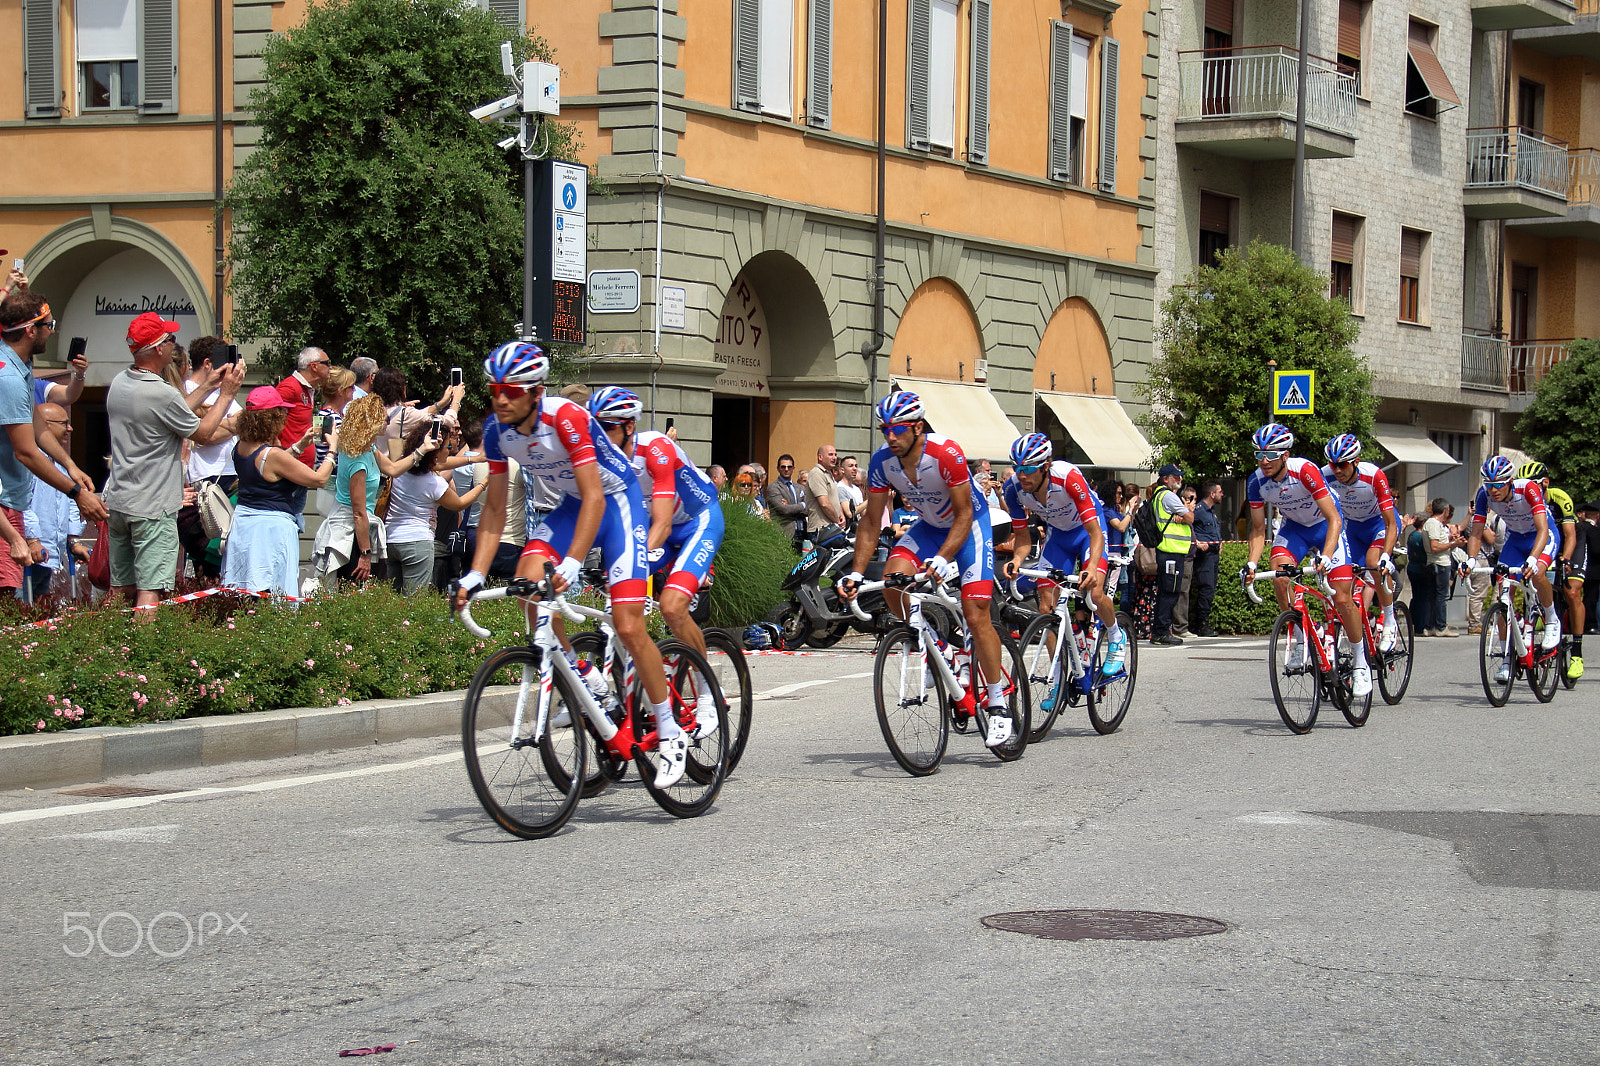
[(663, 460), (573, 439)]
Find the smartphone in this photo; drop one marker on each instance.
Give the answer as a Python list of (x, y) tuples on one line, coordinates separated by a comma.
[(437, 432), (327, 425), (76, 348), (669, 425), (231, 356), (18, 265), (455, 376)]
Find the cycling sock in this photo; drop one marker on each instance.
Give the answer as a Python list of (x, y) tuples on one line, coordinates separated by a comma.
[(997, 694), (1388, 615), (1360, 650), (1577, 646), (1116, 632), (666, 724), (1550, 614)]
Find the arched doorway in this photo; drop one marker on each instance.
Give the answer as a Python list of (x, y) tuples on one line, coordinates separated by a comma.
[(1073, 354), (938, 335), (1075, 394)]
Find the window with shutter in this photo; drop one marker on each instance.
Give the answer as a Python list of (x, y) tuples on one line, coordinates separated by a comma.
[(978, 105), (1427, 86), (1216, 225), (777, 58), (1413, 245), (1219, 16), (511, 13), (1346, 232), (919, 18), (158, 57), (41, 58), (1060, 101), (747, 55), (819, 65), (1108, 115), (942, 75), (1352, 15), (107, 46)]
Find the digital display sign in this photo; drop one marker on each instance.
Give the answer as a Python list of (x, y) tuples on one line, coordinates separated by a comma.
[(567, 313), (560, 250)]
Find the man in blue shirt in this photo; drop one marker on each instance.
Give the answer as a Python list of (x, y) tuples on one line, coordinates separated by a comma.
[(53, 520), (1207, 551)]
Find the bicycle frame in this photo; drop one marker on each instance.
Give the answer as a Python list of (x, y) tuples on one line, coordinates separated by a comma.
[(1070, 601), (962, 699), (1523, 649), (1298, 595)]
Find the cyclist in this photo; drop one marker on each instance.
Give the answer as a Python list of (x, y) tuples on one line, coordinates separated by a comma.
[(950, 539), (1368, 508), (685, 517), (1574, 555), (1074, 537), (1312, 524), (556, 439), (1530, 545)]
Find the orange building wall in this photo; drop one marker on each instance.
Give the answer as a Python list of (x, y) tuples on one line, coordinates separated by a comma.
[(938, 333), (799, 427), (1074, 350)]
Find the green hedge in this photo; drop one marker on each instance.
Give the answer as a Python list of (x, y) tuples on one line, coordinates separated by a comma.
[(756, 556), (1231, 612)]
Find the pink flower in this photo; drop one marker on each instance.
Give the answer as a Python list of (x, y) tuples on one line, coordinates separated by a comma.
[(192, 662), (311, 664), (58, 712), (202, 671), (39, 725)]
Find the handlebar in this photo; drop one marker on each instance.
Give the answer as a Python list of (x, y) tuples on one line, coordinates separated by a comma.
[(892, 581), (523, 589), (1288, 570), (1050, 573)]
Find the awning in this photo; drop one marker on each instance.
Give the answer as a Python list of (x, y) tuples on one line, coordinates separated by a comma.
[(1102, 429), (1409, 444), (967, 414), (1429, 69)]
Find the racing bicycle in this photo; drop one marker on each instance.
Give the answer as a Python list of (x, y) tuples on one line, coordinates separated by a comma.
[(1306, 658), (1508, 648), (1067, 672)]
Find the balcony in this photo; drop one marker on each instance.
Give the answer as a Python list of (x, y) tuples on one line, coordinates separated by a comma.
[(1240, 102), (1582, 38), (1527, 362), (1582, 219), (1515, 173), (1483, 362), (1521, 14)]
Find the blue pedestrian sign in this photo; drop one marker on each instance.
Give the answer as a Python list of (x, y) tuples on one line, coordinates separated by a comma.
[(1294, 392), (569, 196)]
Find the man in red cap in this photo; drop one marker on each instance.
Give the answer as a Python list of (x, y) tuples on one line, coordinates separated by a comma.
[(150, 420), (25, 325)]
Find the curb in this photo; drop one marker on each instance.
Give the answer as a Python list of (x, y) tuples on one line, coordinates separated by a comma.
[(81, 756)]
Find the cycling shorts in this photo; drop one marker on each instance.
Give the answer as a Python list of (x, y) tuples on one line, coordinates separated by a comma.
[(1063, 549), (975, 560), (690, 549), (1514, 552), (622, 536), (1580, 559), (1362, 537), (1294, 542)]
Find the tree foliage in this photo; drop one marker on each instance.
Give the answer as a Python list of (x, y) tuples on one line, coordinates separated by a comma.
[(1561, 427), (377, 217), (1210, 386)]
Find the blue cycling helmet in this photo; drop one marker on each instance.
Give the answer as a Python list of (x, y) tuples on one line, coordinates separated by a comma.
[(1031, 449), (1272, 438), (1345, 448), (1497, 470), (898, 408), (517, 363), (615, 404)]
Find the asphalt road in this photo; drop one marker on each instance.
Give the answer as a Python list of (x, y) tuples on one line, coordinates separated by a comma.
[(1419, 891)]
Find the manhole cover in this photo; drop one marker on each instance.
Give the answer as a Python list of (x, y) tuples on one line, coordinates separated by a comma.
[(1104, 925), (120, 791)]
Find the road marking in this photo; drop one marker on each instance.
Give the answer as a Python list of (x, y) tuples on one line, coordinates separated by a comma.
[(784, 690), (14, 817), (1279, 818), (139, 834)]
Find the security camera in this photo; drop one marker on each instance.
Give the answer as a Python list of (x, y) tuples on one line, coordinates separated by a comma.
[(504, 107), (506, 144), (507, 66)]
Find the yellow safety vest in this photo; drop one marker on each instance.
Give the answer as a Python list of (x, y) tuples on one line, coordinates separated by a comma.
[(1176, 537)]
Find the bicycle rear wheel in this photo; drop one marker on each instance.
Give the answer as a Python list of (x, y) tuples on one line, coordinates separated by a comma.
[(693, 689), (1543, 679), (1042, 655), (529, 786), (913, 711), (1494, 650), (1297, 690), (733, 675), (1112, 694), (1394, 665), (1018, 702)]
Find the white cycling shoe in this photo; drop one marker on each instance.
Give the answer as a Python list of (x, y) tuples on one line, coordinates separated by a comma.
[(1361, 682), (1502, 673), (1387, 635), (1297, 656), (705, 722), (673, 754), (1550, 637), (999, 727)]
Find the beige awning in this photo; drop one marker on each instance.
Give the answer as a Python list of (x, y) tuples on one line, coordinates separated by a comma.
[(1102, 429), (967, 414), (1410, 444)]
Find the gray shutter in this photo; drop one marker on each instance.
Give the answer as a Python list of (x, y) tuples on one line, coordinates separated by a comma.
[(1108, 115), (919, 53), (978, 111), (747, 55), (41, 57), (819, 66), (1060, 101), (158, 57), (509, 12)]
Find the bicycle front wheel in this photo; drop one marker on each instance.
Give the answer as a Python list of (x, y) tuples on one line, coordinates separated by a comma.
[(913, 711), (528, 784), (1394, 665), (1495, 659), (695, 694), (1113, 691), (1018, 702), (1292, 665), (733, 676), (1042, 658)]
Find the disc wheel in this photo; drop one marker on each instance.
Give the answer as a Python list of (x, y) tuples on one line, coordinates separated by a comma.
[(603, 767), (1544, 678), (692, 687), (1297, 692), (1039, 648), (1017, 702), (1494, 648), (1394, 669), (1112, 693), (527, 782), (790, 618), (733, 676), (913, 711)]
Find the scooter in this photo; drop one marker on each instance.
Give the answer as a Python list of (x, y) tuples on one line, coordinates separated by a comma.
[(815, 615)]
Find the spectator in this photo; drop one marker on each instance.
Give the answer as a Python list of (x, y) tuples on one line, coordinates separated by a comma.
[(761, 479), (336, 394), (211, 461), (578, 393), (413, 497), (822, 492), (364, 368), (52, 522), (149, 422), (1180, 610), (299, 391), (390, 383), (718, 476), (263, 552), (350, 542), (744, 490), (1208, 553), (1421, 577), (1478, 584), (1589, 528), (1442, 540), (25, 326), (1174, 521), (786, 501), (901, 518), (851, 497), (514, 538), (63, 394), (1110, 493)]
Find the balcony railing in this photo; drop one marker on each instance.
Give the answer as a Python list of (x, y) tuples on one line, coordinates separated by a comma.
[(1483, 361), (1583, 175), (1502, 158), (1260, 82), (1529, 361)]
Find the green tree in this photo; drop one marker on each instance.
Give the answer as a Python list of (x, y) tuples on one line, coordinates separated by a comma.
[(377, 217), (1561, 427), (1210, 387)]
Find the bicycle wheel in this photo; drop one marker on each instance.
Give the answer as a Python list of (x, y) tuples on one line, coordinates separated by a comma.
[(1494, 649), (913, 711), (733, 676), (1111, 695), (1356, 709), (529, 786), (692, 685), (1298, 690), (604, 768), (1394, 665), (1018, 702), (1042, 654), (1543, 679)]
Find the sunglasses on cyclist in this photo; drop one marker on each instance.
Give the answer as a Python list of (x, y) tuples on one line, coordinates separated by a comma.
[(510, 392), (895, 430), (1034, 469), (1268, 457)]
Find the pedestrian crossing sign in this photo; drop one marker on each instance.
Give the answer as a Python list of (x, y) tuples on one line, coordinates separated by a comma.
[(1294, 392)]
